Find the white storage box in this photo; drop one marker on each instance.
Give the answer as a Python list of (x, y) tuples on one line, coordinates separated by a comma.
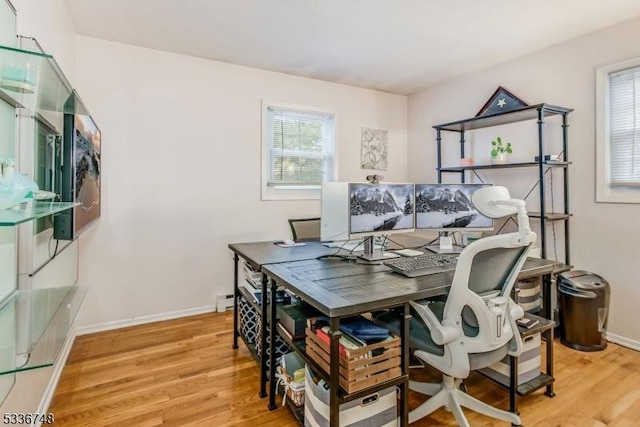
[(528, 363), (378, 409)]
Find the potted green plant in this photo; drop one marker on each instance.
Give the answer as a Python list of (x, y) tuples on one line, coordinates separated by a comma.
[(499, 150)]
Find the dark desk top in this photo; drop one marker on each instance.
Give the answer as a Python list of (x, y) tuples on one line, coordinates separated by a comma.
[(339, 288), (263, 253)]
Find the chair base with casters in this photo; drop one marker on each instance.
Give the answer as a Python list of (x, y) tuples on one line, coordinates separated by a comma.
[(449, 395), (451, 392)]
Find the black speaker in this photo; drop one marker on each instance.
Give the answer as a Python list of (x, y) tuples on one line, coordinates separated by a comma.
[(63, 225)]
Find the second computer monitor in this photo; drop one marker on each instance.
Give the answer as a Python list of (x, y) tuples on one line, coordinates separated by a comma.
[(448, 207), (380, 208)]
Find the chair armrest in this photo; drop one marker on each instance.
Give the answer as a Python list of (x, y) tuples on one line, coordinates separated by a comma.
[(440, 334), (515, 312)]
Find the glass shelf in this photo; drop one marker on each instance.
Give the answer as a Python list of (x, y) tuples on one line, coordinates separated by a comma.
[(32, 210), (38, 325), (33, 79)]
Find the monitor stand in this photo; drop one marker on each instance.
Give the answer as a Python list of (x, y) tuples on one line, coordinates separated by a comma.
[(454, 249), (445, 245), (370, 253)]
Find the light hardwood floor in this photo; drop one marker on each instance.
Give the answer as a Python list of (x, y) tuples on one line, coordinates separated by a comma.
[(184, 372)]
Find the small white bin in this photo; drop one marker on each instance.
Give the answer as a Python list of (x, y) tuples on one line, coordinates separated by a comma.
[(528, 363)]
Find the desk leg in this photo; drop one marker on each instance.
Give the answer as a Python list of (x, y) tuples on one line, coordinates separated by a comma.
[(549, 336), (546, 288), (272, 347), (513, 384), (236, 333), (263, 339), (404, 387), (334, 380)]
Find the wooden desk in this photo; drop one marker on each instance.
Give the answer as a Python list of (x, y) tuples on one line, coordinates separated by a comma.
[(339, 289)]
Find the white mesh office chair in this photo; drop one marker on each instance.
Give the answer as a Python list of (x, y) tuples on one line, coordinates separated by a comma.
[(476, 325)]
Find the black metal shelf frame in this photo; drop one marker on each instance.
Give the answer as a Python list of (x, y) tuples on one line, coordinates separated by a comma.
[(536, 112)]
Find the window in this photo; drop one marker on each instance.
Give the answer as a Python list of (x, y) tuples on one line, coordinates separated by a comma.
[(618, 132), (297, 151)]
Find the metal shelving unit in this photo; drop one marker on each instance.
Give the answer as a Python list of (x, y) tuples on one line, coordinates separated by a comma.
[(538, 112)]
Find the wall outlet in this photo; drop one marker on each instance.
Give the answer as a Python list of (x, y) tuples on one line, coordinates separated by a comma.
[(224, 303)]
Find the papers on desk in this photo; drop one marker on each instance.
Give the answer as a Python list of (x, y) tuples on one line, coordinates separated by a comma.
[(289, 245)]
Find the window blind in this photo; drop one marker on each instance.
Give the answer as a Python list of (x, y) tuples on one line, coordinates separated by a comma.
[(300, 148), (624, 122)]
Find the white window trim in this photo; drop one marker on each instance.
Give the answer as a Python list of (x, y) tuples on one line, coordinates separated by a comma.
[(604, 191), (291, 193)]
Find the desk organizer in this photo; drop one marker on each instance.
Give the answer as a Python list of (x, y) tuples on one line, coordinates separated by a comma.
[(359, 368), (528, 363)]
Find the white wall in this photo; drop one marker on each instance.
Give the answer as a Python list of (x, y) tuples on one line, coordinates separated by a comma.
[(50, 23), (181, 171), (604, 237)]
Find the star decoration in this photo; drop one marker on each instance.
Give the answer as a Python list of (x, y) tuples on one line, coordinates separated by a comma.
[(501, 101)]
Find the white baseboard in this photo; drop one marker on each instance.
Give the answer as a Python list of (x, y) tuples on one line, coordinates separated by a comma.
[(58, 366), (117, 324), (623, 341)]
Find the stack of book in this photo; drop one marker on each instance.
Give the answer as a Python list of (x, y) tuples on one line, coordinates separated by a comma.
[(356, 333), (253, 284)]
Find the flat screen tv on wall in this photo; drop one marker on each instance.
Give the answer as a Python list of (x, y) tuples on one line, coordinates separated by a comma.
[(80, 173)]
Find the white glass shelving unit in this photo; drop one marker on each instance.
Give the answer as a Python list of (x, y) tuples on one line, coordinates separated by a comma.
[(34, 323)]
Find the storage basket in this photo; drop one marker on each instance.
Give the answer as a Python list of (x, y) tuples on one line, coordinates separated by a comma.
[(292, 390), (281, 345), (528, 363), (378, 409), (529, 294), (248, 320)]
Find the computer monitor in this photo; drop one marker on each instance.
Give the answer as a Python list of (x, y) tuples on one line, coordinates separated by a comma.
[(448, 207), (376, 209), (360, 210)]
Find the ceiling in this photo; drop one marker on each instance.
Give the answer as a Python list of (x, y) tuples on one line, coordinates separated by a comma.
[(399, 46)]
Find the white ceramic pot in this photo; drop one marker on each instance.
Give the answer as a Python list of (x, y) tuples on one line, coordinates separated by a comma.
[(499, 159)]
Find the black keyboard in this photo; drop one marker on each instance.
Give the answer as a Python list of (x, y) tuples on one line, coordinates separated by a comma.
[(423, 265)]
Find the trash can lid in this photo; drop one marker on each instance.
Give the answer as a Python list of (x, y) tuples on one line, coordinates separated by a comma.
[(582, 279)]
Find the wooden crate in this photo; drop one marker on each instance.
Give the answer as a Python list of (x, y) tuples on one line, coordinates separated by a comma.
[(359, 368)]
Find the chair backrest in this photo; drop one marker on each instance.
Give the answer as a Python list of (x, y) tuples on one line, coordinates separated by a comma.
[(305, 228), (479, 302)]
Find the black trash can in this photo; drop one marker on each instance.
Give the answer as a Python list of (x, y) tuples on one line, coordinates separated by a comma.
[(584, 307)]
